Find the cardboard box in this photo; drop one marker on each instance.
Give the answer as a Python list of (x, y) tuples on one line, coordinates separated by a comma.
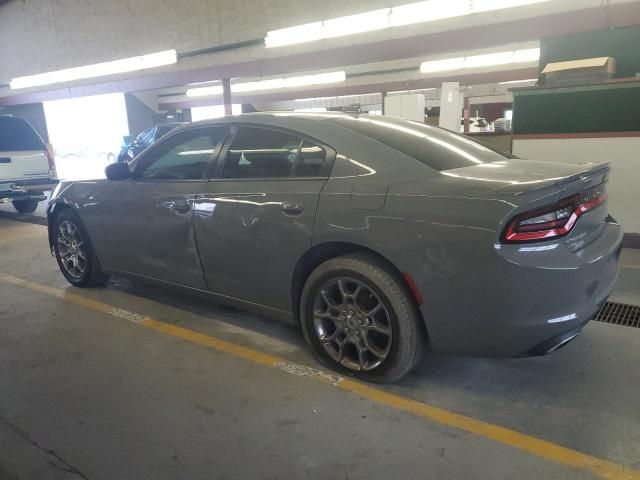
[(588, 70)]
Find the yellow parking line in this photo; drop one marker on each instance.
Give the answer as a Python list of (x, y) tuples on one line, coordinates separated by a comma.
[(527, 443), (635, 267)]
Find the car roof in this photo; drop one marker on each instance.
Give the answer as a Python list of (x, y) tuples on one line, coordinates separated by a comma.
[(170, 124), (248, 117)]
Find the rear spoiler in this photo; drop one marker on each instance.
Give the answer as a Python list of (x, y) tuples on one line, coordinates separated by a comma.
[(587, 173)]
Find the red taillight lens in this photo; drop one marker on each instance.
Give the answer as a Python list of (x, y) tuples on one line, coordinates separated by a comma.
[(52, 162), (555, 221)]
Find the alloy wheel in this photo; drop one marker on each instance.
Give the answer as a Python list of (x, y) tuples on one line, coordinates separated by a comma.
[(352, 324), (72, 249)]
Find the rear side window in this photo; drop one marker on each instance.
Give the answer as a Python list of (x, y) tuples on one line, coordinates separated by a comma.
[(438, 148), (17, 135), (265, 153)]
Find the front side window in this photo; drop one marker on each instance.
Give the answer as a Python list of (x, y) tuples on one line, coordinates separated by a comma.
[(264, 153), (184, 156)]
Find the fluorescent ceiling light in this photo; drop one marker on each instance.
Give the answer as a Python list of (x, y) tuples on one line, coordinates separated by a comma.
[(310, 110), (272, 84), (511, 82), (334, 97), (213, 111), (478, 61), (408, 14), (124, 65), (411, 91)]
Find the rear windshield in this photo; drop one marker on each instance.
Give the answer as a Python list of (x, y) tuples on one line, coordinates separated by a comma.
[(17, 135), (438, 148)]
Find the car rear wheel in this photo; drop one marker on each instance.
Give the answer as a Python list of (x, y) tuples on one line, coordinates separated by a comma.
[(74, 251), (25, 206), (359, 318)]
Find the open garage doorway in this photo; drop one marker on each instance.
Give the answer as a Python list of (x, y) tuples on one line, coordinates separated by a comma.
[(86, 133), (213, 111)]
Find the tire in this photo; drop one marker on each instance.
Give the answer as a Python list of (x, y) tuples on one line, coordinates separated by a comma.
[(25, 206), (78, 272), (397, 333)]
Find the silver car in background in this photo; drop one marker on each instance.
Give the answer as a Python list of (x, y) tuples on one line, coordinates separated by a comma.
[(378, 236)]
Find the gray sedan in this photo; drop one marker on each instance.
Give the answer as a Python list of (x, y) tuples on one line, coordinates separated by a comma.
[(377, 236)]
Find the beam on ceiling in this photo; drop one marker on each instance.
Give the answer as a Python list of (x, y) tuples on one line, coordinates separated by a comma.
[(422, 83), (483, 36)]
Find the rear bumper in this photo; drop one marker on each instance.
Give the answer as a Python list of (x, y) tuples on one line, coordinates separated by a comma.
[(555, 343), (519, 301), (24, 189)]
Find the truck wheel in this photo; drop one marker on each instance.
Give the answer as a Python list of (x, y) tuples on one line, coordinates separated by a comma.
[(25, 206)]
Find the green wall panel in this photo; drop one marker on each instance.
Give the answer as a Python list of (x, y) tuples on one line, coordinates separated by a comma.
[(599, 108), (623, 44)]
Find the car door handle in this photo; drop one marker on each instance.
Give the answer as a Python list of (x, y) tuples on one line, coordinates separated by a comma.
[(291, 208), (180, 206)]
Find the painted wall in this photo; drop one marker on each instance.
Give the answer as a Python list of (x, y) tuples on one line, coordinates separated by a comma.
[(624, 189), (409, 107), (139, 115)]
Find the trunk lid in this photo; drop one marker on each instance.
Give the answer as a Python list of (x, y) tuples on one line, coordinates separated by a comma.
[(532, 188), (528, 182)]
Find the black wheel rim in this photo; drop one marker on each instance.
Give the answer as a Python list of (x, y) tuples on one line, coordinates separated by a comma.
[(72, 249), (352, 324)]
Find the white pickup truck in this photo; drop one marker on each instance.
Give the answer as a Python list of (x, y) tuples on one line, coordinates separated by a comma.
[(27, 168)]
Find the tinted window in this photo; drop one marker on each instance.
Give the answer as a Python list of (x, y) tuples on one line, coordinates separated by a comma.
[(184, 156), (17, 135), (438, 148), (310, 160), (261, 153)]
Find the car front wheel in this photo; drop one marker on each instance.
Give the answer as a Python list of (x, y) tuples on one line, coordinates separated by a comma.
[(359, 318), (74, 251)]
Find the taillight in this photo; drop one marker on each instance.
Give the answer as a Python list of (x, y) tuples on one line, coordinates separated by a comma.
[(52, 162), (554, 221)]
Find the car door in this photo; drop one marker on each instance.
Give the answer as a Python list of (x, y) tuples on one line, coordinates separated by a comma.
[(148, 219), (256, 218)]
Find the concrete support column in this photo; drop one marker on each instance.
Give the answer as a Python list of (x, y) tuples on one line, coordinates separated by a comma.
[(450, 106), (466, 112), (226, 96)]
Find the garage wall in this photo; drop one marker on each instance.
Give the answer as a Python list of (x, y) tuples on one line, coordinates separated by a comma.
[(139, 115), (625, 165)]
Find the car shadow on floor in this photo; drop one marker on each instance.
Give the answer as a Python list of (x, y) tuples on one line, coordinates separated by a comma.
[(23, 218), (476, 374), (204, 307)]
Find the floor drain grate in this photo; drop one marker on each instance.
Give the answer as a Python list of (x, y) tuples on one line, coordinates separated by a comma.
[(619, 314)]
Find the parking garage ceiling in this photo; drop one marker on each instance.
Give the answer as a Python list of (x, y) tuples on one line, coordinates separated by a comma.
[(209, 48)]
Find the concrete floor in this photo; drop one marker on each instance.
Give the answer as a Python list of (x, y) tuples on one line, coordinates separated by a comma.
[(86, 395)]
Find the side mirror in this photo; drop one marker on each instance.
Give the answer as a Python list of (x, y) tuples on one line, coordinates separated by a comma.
[(117, 171)]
